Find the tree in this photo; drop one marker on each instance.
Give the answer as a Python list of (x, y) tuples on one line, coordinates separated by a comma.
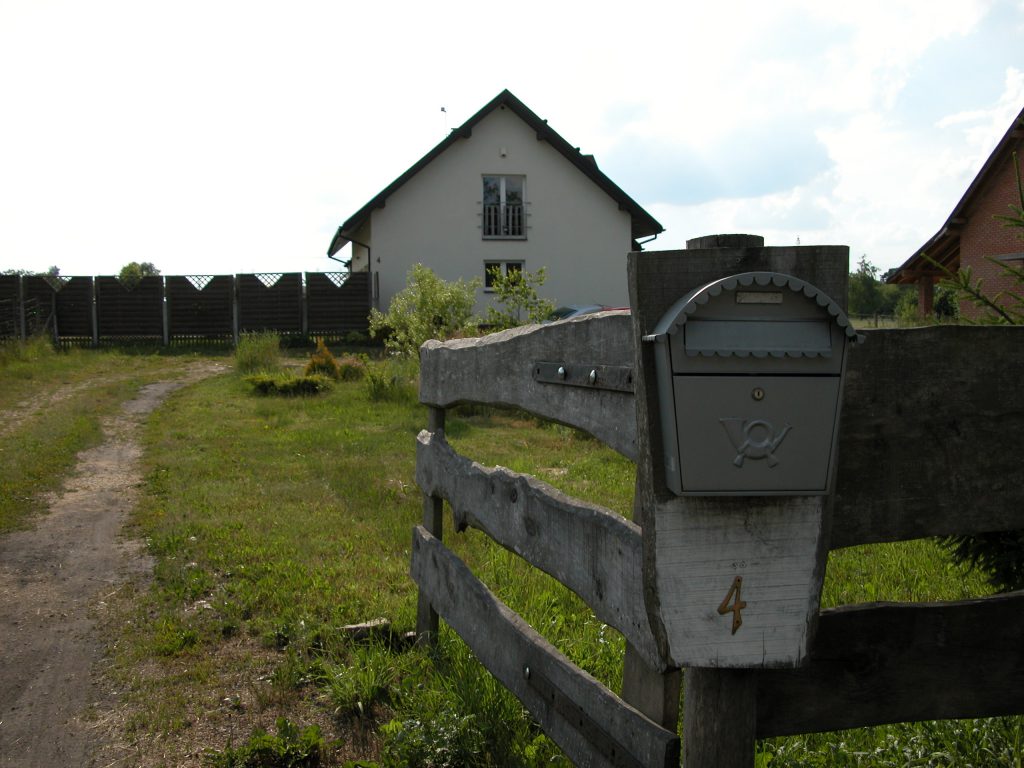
[(516, 295), (51, 272), (132, 273), (427, 308), (870, 295)]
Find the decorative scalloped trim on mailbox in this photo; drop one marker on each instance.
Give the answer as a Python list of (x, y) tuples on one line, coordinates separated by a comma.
[(691, 303)]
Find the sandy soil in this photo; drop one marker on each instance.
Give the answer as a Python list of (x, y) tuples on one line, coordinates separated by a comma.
[(53, 577)]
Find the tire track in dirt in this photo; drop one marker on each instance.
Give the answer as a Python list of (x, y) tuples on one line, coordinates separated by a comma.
[(49, 578)]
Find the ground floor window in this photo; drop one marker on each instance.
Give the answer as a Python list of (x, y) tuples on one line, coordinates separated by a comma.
[(495, 268)]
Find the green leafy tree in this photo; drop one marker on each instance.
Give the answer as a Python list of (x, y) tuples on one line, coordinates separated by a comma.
[(427, 308), (517, 299), (869, 294), (132, 273), (51, 272)]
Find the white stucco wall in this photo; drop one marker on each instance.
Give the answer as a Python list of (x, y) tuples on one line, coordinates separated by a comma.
[(573, 228)]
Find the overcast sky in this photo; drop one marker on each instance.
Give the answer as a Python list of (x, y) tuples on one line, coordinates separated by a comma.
[(229, 136)]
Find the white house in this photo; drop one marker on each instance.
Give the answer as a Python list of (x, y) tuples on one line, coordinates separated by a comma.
[(502, 189)]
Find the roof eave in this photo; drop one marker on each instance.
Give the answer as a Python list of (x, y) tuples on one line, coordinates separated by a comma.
[(914, 267)]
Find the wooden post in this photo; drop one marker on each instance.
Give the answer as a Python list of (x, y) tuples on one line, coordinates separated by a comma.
[(720, 718), (719, 570), (94, 312), (164, 311), (234, 308), (21, 306), (925, 295), (433, 521), (654, 693), (651, 691)]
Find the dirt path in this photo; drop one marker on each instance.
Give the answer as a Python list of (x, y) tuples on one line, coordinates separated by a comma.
[(51, 576)]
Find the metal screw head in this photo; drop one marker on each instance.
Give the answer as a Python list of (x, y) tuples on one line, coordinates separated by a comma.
[(593, 377), (561, 371), (526, 672), (757, 394)]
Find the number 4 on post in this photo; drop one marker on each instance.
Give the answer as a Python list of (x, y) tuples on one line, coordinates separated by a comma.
[(737, 604)]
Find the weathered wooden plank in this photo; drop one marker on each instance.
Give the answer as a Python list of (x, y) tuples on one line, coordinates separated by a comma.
[(930, 435), (739, 579), (592, 725), (498, 369), (433, 521), (594, 552), (886, 663)]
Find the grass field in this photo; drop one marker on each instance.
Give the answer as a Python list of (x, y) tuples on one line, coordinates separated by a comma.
[(274, 522)]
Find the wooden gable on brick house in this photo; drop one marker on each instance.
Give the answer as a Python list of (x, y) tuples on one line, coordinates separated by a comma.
[(971, 236)]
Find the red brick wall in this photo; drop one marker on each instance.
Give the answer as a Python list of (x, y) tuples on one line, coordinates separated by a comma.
[(983, 235)]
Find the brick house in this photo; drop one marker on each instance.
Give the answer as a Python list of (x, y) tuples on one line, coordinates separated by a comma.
[(971, 235)]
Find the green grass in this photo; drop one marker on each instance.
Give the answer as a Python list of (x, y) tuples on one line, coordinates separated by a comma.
[(276, 521)]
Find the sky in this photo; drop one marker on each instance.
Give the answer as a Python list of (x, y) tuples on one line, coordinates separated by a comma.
[(221, 136)]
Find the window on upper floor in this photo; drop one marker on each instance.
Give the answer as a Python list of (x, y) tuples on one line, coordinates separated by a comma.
[(504, 214), (503, 268)]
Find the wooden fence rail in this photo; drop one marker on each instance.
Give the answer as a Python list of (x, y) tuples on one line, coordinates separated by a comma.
[(930, 423)]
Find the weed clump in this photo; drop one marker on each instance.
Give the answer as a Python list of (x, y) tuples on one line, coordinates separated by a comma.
[(258, 352), (305, 748), (288, 384), (394, 381), (31, 350), (352, 368)]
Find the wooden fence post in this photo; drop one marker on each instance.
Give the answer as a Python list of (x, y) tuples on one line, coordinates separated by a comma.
[(234, 308), (164, 314), (94, 312), (651, 691), (433, 521), (719, 718), (21, 307)]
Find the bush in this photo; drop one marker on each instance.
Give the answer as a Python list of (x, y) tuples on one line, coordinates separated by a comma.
[(322, 362), (288, 384), (258, 352), (427, 308)]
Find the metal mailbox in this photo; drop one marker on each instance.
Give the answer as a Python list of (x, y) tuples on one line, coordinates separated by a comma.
[(750, 371)]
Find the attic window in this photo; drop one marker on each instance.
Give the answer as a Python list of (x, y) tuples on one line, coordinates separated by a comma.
[(504, 215)]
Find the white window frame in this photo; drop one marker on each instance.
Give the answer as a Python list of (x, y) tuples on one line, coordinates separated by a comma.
[(501, 221)]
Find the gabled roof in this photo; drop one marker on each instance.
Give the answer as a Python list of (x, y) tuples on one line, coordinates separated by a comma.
[(944, 246), (643, 224)]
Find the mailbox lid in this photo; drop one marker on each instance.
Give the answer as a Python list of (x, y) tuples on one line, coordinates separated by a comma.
[(788, 324), (731, 442)]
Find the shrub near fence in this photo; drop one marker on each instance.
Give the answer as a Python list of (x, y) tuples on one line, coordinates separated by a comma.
[(927, 447), (167, 310)]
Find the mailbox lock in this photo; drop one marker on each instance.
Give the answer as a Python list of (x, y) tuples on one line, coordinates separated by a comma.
[(757, 394)]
